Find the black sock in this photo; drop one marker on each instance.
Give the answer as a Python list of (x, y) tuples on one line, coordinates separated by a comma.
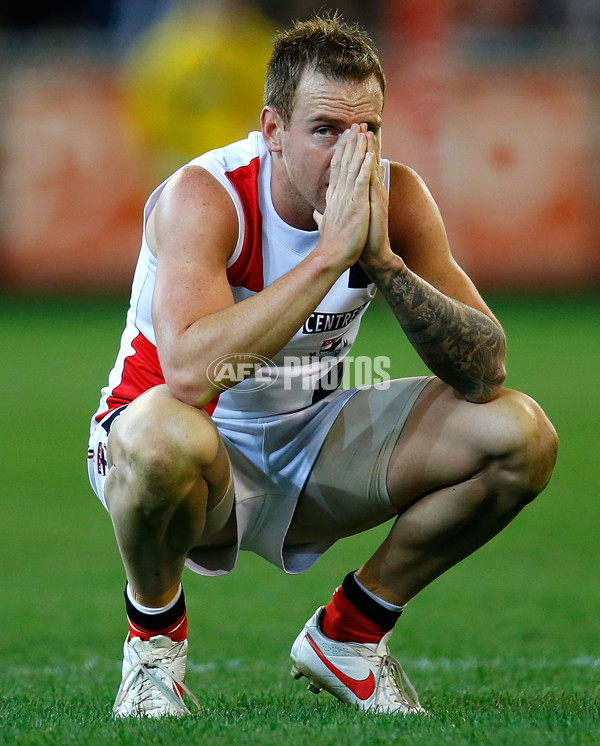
[(172, 622), (368, 606)]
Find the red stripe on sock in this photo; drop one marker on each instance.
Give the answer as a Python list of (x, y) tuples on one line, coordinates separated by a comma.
[(176, 632), (343, 622)]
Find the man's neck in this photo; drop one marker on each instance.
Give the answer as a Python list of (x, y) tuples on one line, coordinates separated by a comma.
[(288, 203)]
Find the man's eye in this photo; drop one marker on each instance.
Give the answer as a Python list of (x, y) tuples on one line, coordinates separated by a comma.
[(325, 131)]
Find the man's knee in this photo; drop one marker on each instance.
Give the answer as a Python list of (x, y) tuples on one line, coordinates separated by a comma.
[(160, 447), (525, 441)]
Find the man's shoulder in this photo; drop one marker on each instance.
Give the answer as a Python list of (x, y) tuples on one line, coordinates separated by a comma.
[(408, 189), (404, 177), (191, 182), (208, 175), (193, 200), (413, 211)]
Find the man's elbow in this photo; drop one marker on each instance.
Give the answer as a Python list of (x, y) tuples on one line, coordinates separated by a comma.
[(487, 387), (189, 390)]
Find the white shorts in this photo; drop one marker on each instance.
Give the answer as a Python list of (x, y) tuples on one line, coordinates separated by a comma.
[(286, 479)]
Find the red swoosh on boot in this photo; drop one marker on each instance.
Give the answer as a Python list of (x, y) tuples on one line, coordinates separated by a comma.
[(362, 688)]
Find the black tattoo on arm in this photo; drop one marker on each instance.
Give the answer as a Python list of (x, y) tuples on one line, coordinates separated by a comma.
[(459, 344)]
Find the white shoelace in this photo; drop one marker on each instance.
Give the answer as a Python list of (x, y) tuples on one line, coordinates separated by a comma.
[(391, 667), (149, 681)]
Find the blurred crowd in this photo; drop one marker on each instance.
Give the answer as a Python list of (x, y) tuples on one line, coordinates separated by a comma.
[(494, 102), (575, 17), (126, 18)]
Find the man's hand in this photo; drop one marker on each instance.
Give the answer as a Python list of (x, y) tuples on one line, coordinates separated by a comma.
[(377, 248), (345, 222)]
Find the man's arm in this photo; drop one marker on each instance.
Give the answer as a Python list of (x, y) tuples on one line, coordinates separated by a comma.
[(192, 232), (435, 302)]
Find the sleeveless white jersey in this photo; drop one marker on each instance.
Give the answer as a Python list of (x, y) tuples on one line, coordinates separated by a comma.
[(309, 367)]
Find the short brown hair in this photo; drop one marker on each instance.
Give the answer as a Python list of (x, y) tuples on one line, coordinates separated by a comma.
[(325, 43)]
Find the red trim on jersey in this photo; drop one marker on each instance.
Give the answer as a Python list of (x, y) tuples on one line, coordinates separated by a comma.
[(247, 270), (212, 405), (141, 372)]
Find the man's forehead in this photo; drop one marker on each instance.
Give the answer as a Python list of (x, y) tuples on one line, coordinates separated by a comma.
[(316, 90)]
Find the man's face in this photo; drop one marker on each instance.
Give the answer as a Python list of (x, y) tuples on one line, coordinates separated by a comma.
[(324, 108)]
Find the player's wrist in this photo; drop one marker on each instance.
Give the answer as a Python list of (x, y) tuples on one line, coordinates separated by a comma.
[(381, 262), (331, 260)]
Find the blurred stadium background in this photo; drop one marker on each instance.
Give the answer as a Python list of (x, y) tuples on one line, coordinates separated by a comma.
[(494, 102)]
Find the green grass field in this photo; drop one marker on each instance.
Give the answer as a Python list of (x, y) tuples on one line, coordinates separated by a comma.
[(504, 649)]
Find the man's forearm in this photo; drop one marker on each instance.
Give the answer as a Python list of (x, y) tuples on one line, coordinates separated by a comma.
[(459, 344)]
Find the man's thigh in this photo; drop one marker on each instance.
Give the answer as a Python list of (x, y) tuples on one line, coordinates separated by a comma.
[(346, 492), (448, 440)]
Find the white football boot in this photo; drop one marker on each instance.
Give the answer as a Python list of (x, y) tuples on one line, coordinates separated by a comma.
[(360, 674), (153, 678)]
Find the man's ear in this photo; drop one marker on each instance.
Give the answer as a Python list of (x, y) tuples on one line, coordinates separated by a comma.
[(272, 128)]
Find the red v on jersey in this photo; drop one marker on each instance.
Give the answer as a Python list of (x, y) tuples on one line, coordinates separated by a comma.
[(247, 270), (141, 371)]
